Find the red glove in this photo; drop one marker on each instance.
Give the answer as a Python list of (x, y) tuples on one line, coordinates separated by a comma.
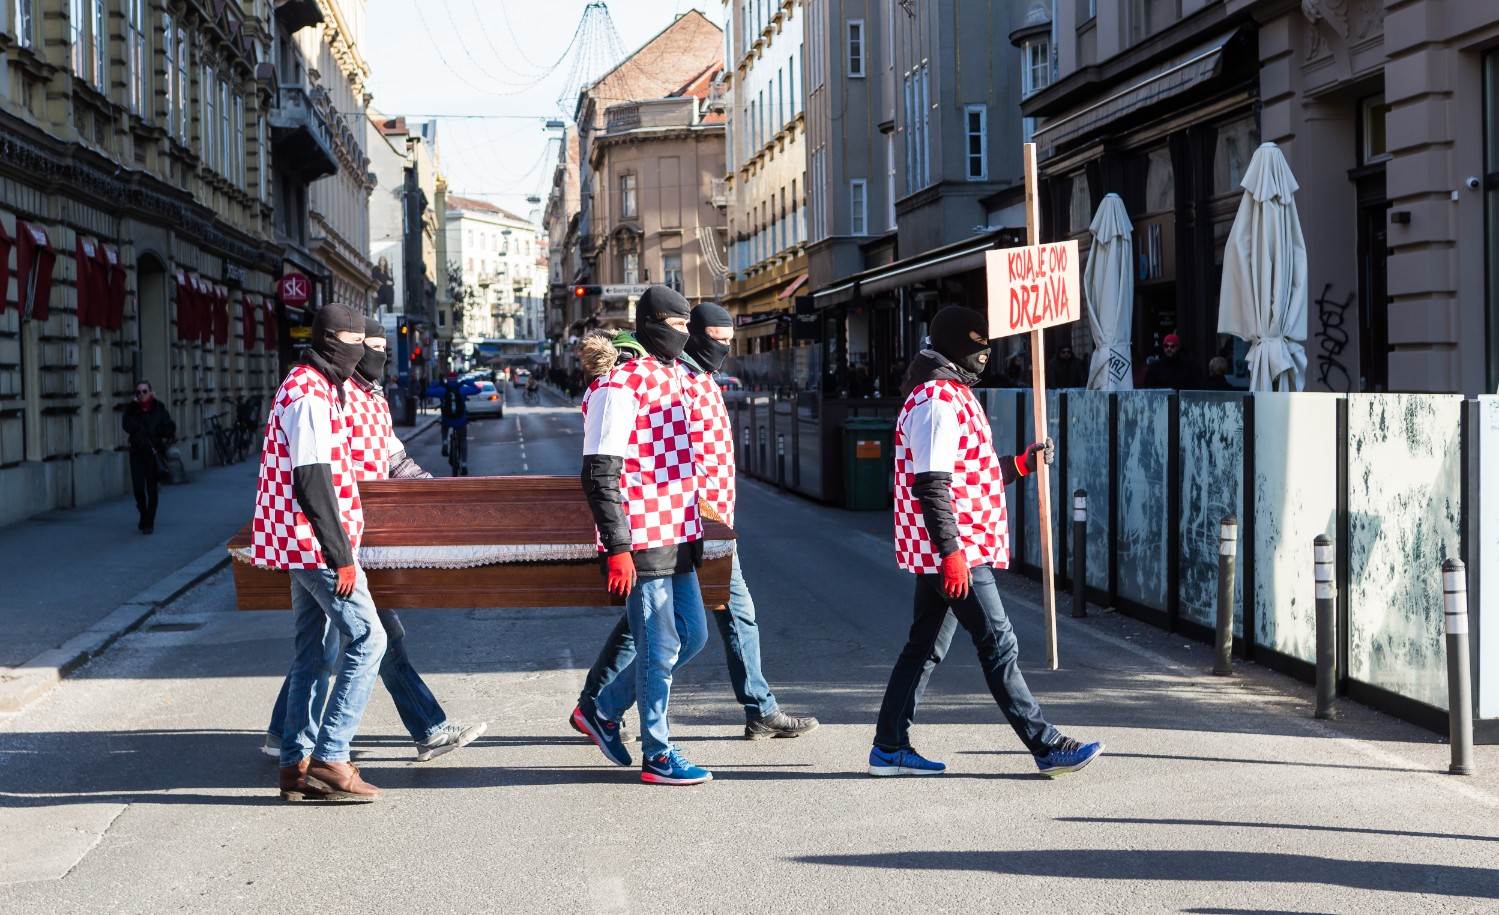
[(621, 574), (1037, 452), (347, 576), (955, 575)]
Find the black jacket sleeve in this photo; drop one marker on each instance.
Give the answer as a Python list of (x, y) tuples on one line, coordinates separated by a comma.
[(934, 492), (1009, 469), (312, 486), (600, 479)]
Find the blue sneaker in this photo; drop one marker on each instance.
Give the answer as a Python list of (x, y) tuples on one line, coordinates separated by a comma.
[(1067, 756), (670, 768), (604, 733), (902, 762)]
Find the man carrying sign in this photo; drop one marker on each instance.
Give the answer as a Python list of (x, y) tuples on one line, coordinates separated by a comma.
[(952, 531)]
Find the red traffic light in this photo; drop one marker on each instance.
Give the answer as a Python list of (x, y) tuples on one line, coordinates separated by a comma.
[(416, 354), (581, 291)]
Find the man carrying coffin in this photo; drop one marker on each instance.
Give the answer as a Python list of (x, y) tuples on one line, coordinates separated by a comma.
[(951, 530), (639, 478), (377, 454), (308, 522)]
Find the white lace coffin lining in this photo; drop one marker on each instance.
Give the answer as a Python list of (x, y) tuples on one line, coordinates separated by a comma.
[(472, 556)]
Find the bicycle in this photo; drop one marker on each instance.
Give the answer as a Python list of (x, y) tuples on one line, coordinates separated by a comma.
[(223, 440), (533, 396), (245, 423), (458, 450)]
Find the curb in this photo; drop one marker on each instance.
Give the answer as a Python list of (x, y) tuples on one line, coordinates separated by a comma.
[(20, 686), (419, 428)]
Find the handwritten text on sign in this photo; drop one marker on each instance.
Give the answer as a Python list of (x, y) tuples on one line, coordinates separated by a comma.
[(1032, 287)]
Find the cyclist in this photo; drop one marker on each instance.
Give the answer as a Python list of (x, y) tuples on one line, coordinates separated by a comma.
[(533, 389), (454, 395)]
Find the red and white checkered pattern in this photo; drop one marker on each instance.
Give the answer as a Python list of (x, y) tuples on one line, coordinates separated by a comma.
[(712, 445), (280, 535), (658, 483), (370, 431), (978, 490)]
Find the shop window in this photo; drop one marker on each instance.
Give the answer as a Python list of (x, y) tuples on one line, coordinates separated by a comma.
[(1079, 204), (1373, 146), (1160, 182), (1232, 149)]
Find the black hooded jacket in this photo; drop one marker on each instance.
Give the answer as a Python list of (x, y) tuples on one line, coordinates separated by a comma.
[(933, 491)]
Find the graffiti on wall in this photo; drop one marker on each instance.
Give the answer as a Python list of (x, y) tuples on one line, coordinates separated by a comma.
[(1334, 339)]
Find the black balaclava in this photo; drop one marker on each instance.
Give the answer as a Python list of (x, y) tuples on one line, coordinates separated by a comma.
[(651, 311), (707, 352), (371, 367), (962, 335), (328, 354)]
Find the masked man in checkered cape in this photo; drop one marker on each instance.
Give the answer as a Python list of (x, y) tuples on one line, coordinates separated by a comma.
[(640, 479), (377, 454), (307, 522), (951, 530), (709, 331)]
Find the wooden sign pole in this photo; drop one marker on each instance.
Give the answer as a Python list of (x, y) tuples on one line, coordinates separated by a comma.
[(1038, 401)]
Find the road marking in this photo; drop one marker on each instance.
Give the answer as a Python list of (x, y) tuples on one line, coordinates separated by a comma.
[(520, 434)]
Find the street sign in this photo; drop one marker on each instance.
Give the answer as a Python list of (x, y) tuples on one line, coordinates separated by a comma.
[(294, 289), (1032, 287)]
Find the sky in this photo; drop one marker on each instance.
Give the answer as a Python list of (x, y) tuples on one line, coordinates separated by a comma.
[(497, 57)]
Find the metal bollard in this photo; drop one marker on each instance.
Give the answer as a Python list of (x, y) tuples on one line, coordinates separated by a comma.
[(1327, 627), (1459, 681), (1079, 554), (1228, 553)]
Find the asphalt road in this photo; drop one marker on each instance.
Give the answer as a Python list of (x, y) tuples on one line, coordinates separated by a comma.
[(136, 786)]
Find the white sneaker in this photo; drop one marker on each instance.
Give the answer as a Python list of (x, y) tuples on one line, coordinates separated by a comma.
[(448, 738)]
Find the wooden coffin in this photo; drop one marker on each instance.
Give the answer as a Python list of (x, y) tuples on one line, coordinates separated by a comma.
[(476, 542)]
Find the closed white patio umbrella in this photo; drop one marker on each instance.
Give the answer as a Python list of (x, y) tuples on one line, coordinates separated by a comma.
[(1263, 297), (1109, 286)]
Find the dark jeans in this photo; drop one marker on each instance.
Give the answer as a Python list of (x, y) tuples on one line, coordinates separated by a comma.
[(419, 710), (741, 645), (983, 615), (143, 479)]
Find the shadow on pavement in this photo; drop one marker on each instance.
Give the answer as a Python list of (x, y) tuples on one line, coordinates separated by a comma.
[(1235, 824), (1189, 866), (1214, 759)]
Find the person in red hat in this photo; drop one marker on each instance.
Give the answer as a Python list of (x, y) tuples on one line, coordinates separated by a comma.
[(1172, 370)]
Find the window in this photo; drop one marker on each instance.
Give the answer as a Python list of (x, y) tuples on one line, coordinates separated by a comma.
[(858, 207), (627, 207), (208, 114), (1160, 182), (239, 141), (856, 47), (1086, 10), (910, 131), (1079, 203), (1234, 144), (976, 131), (262, 157), (225, 139), (890, 180), (791, 85), (77, 34), (169, 86), (1150, 16), (1372, 114), (671, 271), (136, 57), (25, 11), (630, 267), (925, 112), (1035, 65), (184, 88), (101, 47)]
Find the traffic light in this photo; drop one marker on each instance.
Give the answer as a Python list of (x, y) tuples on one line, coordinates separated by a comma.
[(581, 291), (416, 354), (405, 328)]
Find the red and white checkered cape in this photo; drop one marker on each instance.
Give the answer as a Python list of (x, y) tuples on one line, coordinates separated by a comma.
[(658, 483), (978, 491), (712, 444), (280, 535), (370, 431)]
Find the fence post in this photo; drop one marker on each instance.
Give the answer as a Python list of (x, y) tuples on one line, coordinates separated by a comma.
[(1327, 626), (1459, 682), (1228, 552), (1079, 553)]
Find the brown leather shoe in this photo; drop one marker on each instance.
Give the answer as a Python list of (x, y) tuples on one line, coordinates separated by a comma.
[(339, 782), (294, 783)]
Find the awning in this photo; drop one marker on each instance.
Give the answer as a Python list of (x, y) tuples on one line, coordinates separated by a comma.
[(1163, 82), (791, 289), (949, 260)]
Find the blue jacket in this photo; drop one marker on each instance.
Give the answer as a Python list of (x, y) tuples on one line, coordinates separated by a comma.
[(465, 389)]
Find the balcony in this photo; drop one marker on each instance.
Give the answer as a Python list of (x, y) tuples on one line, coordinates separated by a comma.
[(620, 118), (301, 139), (718, 97), (718, 193), (298, 14)]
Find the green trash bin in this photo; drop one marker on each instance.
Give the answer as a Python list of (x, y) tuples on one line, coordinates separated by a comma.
[(868, 456)]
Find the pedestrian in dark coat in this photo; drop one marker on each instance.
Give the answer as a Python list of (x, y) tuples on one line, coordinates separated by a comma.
[(149, 430)]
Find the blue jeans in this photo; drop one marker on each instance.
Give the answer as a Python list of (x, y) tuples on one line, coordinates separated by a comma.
[(315, 606), (741, 645), (666, 617), (420, 711), (983, 615)]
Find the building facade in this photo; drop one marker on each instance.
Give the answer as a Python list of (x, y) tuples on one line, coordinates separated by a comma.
[(136, 235), (564, 265), (765, 184), (406, 227), (501, 259)]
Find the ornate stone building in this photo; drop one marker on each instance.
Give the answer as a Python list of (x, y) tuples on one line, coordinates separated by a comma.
[(136, 235)]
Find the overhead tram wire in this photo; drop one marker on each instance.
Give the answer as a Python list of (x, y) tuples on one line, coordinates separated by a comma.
[(525, 85), (437, 49)]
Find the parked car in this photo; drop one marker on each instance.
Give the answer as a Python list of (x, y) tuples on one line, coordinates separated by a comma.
[(488, 402), (727, 382)]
